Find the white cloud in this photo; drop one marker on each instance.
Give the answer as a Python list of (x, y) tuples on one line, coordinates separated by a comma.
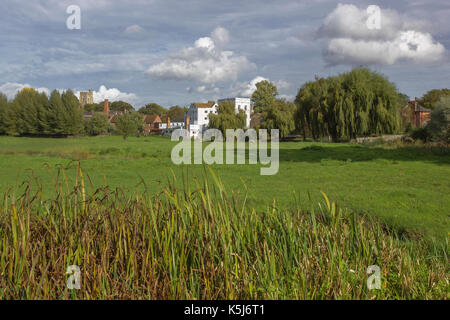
[(10, 89), (246, 89), (133, 29), (283, 85), (350, 41), (112, 95), (205, 62)]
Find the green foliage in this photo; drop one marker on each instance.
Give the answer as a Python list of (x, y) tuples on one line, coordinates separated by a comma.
[(3, 112), (264, 96), (120, 106), (421, 133), (360, 102), (175, 113), (432, 97), (226, 118), (439, 125), (280, 115), (130, 123), (73, 114), (94, 107), (153, 109), (34, 114), (97, 125)]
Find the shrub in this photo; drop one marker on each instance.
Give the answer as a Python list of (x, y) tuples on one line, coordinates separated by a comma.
[(420, 134), (439, 126)]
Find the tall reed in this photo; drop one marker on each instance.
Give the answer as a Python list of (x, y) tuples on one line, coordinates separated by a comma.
[(202, 242)]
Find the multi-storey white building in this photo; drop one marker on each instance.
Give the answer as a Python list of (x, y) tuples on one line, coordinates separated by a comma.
[(197, 116)]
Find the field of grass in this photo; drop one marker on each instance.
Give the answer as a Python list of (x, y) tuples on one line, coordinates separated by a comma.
[(203, 243), (406, 188)]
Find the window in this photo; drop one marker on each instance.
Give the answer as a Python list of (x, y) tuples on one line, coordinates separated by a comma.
[(206, 118)]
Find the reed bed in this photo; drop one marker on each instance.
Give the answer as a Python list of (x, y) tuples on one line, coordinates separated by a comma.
[(202, 242)]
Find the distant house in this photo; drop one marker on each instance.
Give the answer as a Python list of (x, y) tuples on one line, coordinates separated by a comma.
[(197, 116), (415, 114), (152, 124)]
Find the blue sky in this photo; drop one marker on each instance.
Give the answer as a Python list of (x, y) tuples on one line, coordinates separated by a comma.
[(178, 52)]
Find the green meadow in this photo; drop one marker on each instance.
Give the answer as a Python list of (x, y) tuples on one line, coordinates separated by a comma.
[(406, 188)]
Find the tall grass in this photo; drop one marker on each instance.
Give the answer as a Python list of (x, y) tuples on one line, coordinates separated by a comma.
[(202, 243)]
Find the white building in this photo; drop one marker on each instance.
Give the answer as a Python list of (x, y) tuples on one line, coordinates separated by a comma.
[(198, 114)]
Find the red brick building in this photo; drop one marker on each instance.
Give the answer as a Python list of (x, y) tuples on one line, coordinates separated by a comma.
[(152, 124), (416, 115)]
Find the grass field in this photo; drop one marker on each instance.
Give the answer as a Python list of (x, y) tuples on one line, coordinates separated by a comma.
[(407, 188), (141, 228)]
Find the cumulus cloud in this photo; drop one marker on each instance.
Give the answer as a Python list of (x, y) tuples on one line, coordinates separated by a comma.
[(350, 41), (205, 62), (10, 89), (246, 89), (112, 95)]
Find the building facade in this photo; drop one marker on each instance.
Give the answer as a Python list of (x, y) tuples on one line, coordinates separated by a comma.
[(415, 115), (197, 117), (86, 98)]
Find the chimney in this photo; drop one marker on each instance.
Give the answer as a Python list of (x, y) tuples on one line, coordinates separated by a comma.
[(106, 107), (168, 122), (188, 120)]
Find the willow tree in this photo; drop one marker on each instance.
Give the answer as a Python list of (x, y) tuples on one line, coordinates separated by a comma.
[(360, 102), (279, 115), (227, 118)]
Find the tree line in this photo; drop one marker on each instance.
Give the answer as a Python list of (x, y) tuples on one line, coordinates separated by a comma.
[(360, 102), (33, 114)]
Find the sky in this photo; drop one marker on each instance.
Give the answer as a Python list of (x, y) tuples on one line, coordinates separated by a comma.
[(178, 52)]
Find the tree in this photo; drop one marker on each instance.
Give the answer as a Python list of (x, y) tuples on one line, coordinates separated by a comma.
[(403, 99), (152, 109), (227, 118), (3, 113), (97, 125), (360, 102), (432, 97), (120, 106), (31, 108), (280, 115), (439, 125), (130, 123), (264, 96), (73, 114), (176, 112), (94, 107)]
